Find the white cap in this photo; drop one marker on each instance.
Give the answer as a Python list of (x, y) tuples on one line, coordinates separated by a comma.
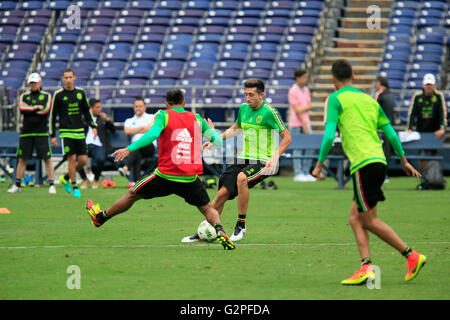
[(34, 77), (429, 79)]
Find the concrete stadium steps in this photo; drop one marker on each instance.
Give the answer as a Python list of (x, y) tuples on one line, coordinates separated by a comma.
[(362, 23), (350, 43), (346, 35), (358, 12), (361, 33), (354, 52)]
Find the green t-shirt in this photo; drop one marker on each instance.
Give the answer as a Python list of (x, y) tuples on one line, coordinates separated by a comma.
[(259, 129), (159, 124), (359, 117)]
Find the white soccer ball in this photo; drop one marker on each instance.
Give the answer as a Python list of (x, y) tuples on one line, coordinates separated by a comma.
[(206, 232)]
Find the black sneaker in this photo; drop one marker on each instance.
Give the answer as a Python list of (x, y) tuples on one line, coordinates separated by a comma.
[(271, 185), (239, 233), (193, 238)]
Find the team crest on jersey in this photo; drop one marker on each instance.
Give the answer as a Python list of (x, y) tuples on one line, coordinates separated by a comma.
[(259, 119), (41, 97), (79, 96)]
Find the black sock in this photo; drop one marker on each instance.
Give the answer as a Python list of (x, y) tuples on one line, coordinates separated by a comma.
[(366, 261), (82, 174), (18, 183), (241, 221), (407, 252), (218, 227), (74, 185), (66, 176), (102, 217), (51, 182)]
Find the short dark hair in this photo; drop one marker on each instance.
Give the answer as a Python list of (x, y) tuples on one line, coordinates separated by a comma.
[(139, 99), (93, 102), (68, 70), (342, 70), (383, 81), (254, 83), (299, 72), (174, 97)]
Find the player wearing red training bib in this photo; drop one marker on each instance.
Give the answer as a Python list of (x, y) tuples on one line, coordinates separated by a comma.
[(179, 162)]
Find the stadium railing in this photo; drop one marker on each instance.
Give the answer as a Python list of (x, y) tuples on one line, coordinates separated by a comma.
[(193, 102)]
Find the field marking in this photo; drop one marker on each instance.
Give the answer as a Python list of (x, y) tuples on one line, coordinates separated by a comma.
[(187, 245)]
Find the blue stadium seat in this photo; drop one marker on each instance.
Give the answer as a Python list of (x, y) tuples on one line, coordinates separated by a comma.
[(142, 4), (88, 4), (436, 5), (115, 4), (428, 22), (8, 5), (59, 4), (31, 5), (431, 37)]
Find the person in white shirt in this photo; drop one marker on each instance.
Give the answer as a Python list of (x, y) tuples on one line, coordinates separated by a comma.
[(98, 144), (135, 128)]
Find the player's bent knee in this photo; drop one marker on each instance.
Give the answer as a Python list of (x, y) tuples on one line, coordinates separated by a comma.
[(242, 179), (132, 196)]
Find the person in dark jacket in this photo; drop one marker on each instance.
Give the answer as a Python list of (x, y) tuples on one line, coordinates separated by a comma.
[(71, 107), (386, 100), (428, 112), (34, 106), (99, 145)]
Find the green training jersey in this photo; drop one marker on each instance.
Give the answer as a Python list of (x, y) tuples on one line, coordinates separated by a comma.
[(359, 117), (260, 128)]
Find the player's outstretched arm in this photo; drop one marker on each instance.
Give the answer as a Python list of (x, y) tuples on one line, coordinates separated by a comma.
[(409, 169), (209, 132), (230, 132), (121, 154)]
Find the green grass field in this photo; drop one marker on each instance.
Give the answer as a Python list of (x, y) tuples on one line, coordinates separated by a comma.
[(298, 246)]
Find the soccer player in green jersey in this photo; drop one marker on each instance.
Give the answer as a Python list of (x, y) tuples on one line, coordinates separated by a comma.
[(259, 123), (359, 118)]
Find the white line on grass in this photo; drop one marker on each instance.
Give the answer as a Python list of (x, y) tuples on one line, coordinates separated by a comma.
[(193, 244)]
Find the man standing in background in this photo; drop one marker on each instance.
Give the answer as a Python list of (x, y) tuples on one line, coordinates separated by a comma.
[(386, 100), (99, 145), (299, 123), (71, 106), (34, 105), (428, 112)]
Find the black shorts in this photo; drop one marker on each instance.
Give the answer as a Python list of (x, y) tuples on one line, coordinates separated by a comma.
[(74, 146), (252, 169), (28, 144), (153, 186), (367, 183)]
